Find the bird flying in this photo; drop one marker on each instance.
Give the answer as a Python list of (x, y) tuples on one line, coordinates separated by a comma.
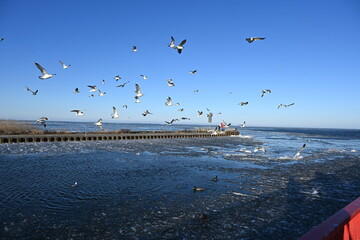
[(76, 90), (134, 49), (138, 90), (64, 66), (168, 102), (146, 112), (172, 43), (170, 82), (243, 103), (42, 120), (143, 76), (289, 105), (78, 112), (192, 71), (99, 123), (117, 77), (115, 113), (92, 88), (45, 75), (123, 84), (265, 91), (251, 39), (297, 155), (28, 89)]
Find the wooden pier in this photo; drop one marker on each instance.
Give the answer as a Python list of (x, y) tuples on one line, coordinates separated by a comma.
[(103, 136)]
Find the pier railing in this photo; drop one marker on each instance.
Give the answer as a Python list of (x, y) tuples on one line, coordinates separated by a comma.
[(101, 136)]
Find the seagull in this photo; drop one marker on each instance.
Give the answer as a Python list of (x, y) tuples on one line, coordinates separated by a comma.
[(207, 109), (181, 109), (198, 189), (28, 89), (125, 106), (168, 102), (200, 113), (243, 125), (192, 71), (99, 123), (101, 93), (280, 105), (78, 112), (134, 49), (170, 82), (115, 114), (93, 88), (172, 121), (64, 66), (215, 179), (197, 90), (45, 75), (2, 39), (137, 99), (250, 40), (185, 118), (265, 91), (146, 112), (257, 148), (243, 103), (76, 90), (123, 84), (172, 43), (297, 155), (143, 76), (180, 47), (289, 105), (227, 124), (138, 90), (103, 82), (74, 185), (117, 77), (42, 120), (177, 104)]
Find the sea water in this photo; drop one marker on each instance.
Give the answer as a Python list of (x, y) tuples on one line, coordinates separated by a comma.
[(143, 189)]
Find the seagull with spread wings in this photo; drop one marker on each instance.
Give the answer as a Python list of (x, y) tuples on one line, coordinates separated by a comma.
[(123, 84), (115, 113), (138, 91), (265, 91), (168, 102), (64, 66), (251, 39), (45, 75), (29, 90), (78, 112)]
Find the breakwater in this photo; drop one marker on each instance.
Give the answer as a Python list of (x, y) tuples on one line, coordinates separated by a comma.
[(102, 136)]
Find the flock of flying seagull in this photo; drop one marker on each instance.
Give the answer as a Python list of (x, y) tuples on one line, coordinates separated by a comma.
[(138, 94)]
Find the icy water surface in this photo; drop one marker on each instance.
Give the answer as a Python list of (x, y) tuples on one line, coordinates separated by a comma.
[(143, 189)]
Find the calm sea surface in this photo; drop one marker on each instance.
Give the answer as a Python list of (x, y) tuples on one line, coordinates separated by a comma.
[(143, 189)]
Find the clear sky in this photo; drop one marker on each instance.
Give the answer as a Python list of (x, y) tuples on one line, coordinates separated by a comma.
[(310, 57)]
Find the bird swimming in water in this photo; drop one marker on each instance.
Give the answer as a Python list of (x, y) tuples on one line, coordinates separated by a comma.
[(198, 189), (215, 179)]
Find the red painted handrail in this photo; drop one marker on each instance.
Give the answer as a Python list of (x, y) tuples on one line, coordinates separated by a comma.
[(344, 225)]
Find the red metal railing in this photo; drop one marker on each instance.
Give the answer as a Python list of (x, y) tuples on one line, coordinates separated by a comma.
[(344, 225)]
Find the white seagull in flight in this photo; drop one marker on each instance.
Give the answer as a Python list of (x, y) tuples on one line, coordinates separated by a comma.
[(137, 99), (134, 49), (297, 155), (170, 82), (123, 84), (192, 71), (117, 77), (78, 112), (93, 88), (265, 91), (168, 102), (45, 75), (289, 105), (115, 114), (138, 90), (243, 125), (42, 120), (172, 121), (28, 89), (251, 39), (99, 123), (146, 112), (64, 66), (143, 76)]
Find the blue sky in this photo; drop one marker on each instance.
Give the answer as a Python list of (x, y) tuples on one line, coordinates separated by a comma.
[(311, 56)]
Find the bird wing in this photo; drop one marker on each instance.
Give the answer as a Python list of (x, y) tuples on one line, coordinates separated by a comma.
[(61, 63), (182, 43), (42, 70)]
